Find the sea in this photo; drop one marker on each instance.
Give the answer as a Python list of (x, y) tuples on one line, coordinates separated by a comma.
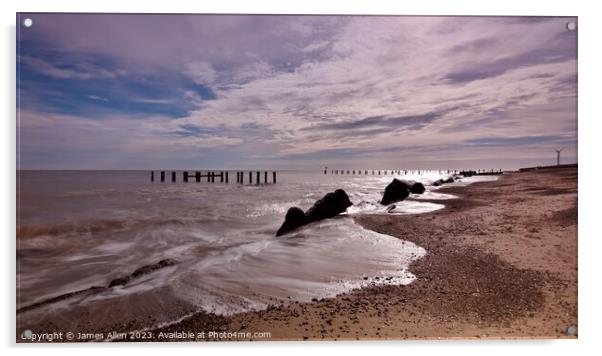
[(79, 229)]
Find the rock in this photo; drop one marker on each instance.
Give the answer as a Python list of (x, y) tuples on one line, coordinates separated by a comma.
[(295, 218), (390, 208), (142, 271), (119, 281), (332, 204), (417, 188), (151, 268), (394, 192), (439, 182)]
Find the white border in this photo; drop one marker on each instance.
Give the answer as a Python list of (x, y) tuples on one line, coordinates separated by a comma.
[(589, 171)]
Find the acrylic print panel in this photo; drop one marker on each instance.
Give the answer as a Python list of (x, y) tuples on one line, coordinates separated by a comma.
[(244, 177)]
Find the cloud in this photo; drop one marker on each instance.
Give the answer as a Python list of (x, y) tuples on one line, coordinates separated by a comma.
[(78, 70), (201, 73), (312, 89), (390, 123), (96, 97), (118, 141)]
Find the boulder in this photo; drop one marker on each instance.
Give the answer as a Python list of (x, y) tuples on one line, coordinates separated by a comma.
[(449, 180), (438, 182), (394, 192), (417, 188), (119, 281), (332, 204), (295, 218)]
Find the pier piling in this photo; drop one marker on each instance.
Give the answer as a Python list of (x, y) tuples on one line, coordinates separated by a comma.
[(224, 176)]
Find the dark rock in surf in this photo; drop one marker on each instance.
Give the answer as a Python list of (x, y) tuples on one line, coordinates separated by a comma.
[(390, 208), (417, 188), (295, 218), (151, 268), (438, 182), (332, 204), (394, 192), (119, 281), (142, 271)]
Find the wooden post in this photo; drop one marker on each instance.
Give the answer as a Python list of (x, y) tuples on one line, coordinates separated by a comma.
[(162, 176), (226, 177), (265, 177), (197, 176), (152, 176), (212, 177), (185, 176), (274, 176), (173, 176), (257, 177), (221, 177), (250, 177)]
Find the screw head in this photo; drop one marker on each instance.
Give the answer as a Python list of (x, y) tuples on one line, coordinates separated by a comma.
[(571, 26), (571, 330)]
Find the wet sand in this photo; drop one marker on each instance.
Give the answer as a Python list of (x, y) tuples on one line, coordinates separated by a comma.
[(501, 263)]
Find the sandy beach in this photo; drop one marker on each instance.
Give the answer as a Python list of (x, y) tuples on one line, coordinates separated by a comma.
[(501, 263)]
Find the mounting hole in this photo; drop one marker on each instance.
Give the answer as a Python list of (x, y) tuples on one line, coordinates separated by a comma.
[(27, 22), (571, 25)]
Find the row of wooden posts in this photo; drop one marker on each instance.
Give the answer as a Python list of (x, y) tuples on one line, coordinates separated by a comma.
[(405, 172), (211, 176)]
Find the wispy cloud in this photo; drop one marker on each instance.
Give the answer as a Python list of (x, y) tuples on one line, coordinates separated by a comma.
[(96, 97), (77, 70)]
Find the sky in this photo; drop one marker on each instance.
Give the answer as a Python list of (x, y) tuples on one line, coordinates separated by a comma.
[(116, 91)]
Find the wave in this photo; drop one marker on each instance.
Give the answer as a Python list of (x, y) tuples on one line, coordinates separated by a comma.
[(96, 226), (79, 227)]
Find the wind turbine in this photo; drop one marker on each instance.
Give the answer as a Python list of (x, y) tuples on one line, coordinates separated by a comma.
[(558, 156)]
